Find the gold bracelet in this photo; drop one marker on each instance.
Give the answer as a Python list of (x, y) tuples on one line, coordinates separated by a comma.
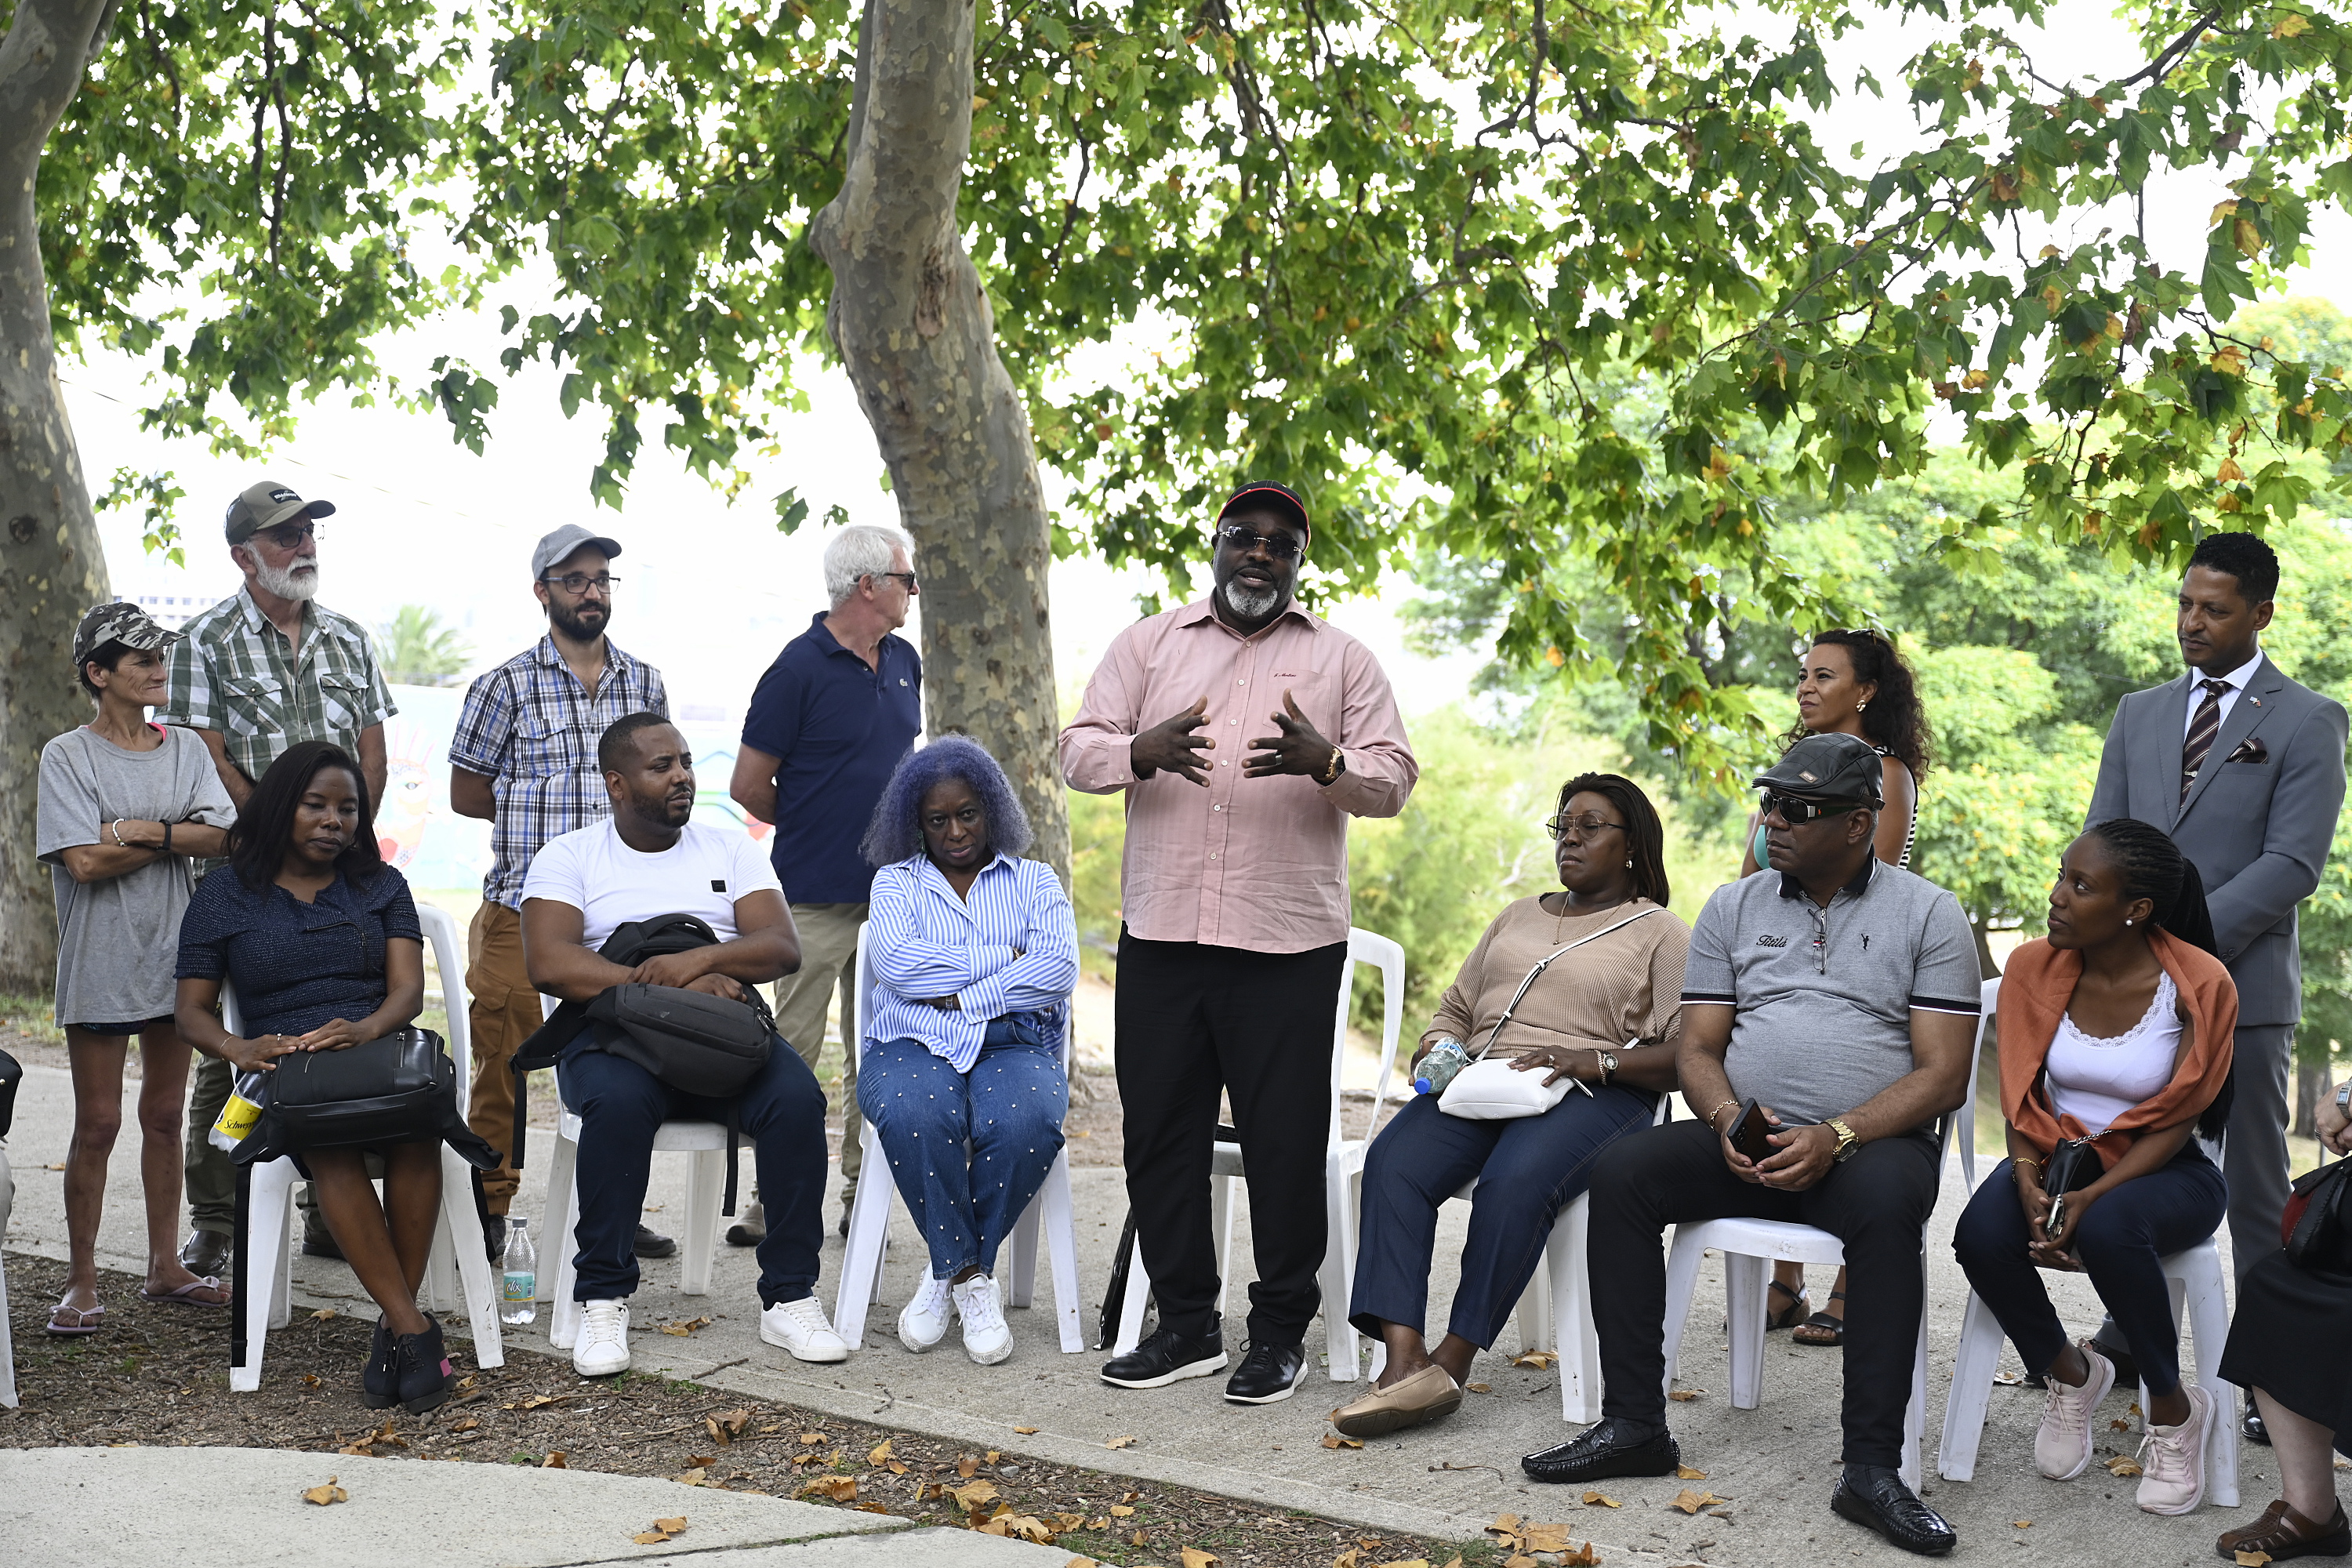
[(1717, 1111)]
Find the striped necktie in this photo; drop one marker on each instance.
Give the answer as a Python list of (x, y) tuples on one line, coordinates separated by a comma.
[(2201, 731)]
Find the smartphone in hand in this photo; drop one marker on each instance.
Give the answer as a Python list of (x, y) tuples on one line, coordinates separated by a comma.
[(1751, 1130)]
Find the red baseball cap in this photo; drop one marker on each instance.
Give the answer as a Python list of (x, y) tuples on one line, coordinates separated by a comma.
[(1282, 498)]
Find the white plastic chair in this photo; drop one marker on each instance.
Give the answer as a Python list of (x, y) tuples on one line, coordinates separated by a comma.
[(869, 1219), (454, 1275), (8, 1344), (1343, 1172), (1749, 1245), (705, 1185)]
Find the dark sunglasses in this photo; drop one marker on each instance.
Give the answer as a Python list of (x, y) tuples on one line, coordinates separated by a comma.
[(906, 577), (1281, 546), (1796, 811), (288, 536)]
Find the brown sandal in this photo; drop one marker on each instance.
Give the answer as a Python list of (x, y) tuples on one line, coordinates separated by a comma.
[(2282, 1533), (1789, 1316), (1824, 1328)]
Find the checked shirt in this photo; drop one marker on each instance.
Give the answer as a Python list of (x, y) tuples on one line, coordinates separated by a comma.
[(236, 674)]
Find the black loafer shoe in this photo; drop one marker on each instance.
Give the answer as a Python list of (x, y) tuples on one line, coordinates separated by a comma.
[(1168, 1357), (1606, 1448), (204, 1252), (1267, 1373), (2254, 1429), (653, 1244), (1875, 1497)]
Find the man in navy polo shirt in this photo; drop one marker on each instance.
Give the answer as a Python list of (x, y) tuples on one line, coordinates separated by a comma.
[(831, 719)]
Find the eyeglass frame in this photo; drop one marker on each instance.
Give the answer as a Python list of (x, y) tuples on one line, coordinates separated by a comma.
[(908, 578), (1280, 546), (1586, 826), (1813, 810), (306, 529), (602, 582)]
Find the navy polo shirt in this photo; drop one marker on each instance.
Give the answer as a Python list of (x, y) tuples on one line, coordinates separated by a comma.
[(840, 727)]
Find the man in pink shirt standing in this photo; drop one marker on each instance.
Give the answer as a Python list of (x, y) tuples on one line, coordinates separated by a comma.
[(1234, 893)]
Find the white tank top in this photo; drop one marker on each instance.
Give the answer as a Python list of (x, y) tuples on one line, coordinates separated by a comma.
[(2094, 1081)]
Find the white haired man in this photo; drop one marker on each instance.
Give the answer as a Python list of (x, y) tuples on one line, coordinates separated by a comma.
[(830, 719)]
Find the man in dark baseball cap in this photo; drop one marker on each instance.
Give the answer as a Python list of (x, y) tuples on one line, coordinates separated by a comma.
[(266, 505), (1265, 495), (1835, 768)]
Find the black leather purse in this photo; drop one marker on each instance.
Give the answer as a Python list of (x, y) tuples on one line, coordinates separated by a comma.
[(2316, 1229), (401, 1088), (2072, 1165)]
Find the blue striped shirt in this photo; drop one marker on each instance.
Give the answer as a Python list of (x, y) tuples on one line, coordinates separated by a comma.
[(921, 941)]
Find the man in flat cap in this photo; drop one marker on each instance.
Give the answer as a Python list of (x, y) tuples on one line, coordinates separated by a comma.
[(524, 759), (259, 672), (1245, 733)]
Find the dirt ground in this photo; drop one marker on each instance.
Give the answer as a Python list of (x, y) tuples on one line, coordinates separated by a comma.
[(159, 1375)]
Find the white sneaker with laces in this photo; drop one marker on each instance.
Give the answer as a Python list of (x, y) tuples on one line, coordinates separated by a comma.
[(802, 1328), (602, 1347), (986, 1336), (2173, 1458), (924, 1322), (2061, 1449)]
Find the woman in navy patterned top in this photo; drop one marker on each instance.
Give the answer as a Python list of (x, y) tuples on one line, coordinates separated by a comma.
[(973, 953), (321, 941)]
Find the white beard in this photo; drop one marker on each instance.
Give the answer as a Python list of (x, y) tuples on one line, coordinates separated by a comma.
[(1250, 606), (296, 583)]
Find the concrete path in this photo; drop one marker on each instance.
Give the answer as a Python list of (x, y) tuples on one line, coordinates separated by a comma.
[(1449, 1482), (72, 1508)]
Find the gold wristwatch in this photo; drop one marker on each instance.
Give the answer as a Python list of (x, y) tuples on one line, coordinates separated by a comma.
[(1608, 1066), (1847, 1141)]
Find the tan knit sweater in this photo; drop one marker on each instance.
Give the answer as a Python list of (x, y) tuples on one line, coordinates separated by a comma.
[(1625, 987)]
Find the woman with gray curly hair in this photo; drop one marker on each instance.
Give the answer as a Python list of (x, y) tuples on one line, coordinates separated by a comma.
[(974, 953)]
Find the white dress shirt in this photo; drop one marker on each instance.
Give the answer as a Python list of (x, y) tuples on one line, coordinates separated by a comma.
[(2237, 679)]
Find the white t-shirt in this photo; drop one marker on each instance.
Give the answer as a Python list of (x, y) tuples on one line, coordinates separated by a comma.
[(611, 884)]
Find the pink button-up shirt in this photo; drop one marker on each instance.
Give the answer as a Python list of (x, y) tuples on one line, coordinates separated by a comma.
[(1251, 863)]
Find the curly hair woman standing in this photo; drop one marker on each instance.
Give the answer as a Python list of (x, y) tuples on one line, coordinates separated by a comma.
[(974, 953)]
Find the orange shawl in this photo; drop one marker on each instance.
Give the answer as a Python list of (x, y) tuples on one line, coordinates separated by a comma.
[(2035, 986)]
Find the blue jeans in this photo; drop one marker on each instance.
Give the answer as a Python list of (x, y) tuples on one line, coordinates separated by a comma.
[(1528, 1170), (2118, 1242), (621, 1106), (969, 1150)]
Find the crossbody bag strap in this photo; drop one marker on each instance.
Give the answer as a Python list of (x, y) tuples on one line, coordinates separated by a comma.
[(1546, 962)]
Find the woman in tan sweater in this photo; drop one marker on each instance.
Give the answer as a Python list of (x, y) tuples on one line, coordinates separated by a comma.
[(1607, 1016)]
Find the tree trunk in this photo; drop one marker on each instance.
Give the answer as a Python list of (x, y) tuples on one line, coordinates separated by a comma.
[(51, 567), (2311, 1085), (914, 328)]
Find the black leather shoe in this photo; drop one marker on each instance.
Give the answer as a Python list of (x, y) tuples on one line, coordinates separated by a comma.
[(1168, 1357), (653, 1244), (2255, 1431), (204, 1252), (1874, 1496), (1606, 1448), (1268, 1373)]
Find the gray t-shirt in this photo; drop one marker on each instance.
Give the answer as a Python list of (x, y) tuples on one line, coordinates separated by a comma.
[(118, 939), (1822, 999)]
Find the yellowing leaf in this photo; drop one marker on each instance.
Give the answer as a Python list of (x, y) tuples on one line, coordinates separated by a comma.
[(324, 1314), (2119, 1466), (1195, 1558), (975, 1496), (880, 1455), (327, 1495), (2246, 237), (1118, 1442), (1601, 1499), (2230, 473), (676, 1526), (2020, 1524), (1684, 1473), (555, 1461), (811, 1437), (1975, 381), (2220, 211), (1690, 1502), (1541, 1360), (839, 1489), (684, 1329), (1120, 1510), (2294, 25)]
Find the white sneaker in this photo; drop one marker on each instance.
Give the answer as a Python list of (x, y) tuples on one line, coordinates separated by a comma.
[(2061, 1449), (602, 1347), (802, 1328), (2174, 1459), (924, 1323), (986, 1337)]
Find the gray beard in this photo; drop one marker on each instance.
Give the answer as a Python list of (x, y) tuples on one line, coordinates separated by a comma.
[(1248, 606), (294, 583)]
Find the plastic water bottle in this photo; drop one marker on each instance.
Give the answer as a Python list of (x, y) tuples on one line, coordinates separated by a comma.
[(1438, 1068), (519, 1291), (240, 1111)]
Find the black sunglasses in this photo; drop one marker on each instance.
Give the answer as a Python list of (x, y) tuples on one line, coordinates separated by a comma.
[(1281, 546), (1796, 811)]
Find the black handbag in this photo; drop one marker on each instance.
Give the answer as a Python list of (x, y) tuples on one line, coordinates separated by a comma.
[(2317, 1228), (691, 1040), (11, 1075), (401, 1088), (2072, 1165)]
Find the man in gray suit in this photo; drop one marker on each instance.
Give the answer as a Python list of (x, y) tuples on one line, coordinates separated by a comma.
[(2245, 769)]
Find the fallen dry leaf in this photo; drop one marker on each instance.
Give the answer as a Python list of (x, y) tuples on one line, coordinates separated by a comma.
[(663, 1529), (1138, 1539), (1684, 1396), (993, 1456), (879, 1454), (838, 1489), (808, 1438), (694, 1477), (1601, 1499), (2119, 1466), (1120, 1510), (2120, 1425), (536, 1401), (1082, 1563), (1691, 1502), (1118, 1442), (698, 1460), (2020, 1524), (1027, 1431), (672, 1526), (1536, 1537), (684, 1329), (1540, 1360), (330, 1493), (1195, 1558), (1347, 1559), (468, 1424), (1583, 1556), (1479, 1387), (2252, 1559), (324, 1314), (2007, 1379), (727, 1426), (310, 1379), (973, 1497), (555, 1461), (967, 1466), (1331, 1442), (649, 1538), (1684, 1473), (1019, 1526)]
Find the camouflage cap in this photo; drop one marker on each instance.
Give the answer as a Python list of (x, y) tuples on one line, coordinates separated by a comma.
[(121, 622), (266, 505)]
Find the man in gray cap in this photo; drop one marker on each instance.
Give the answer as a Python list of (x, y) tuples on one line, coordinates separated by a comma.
[(258, 673), (524, 760)]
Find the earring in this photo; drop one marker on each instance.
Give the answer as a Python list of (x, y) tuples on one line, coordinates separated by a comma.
[(1629, 864), (2126, 919), (1862, 707)]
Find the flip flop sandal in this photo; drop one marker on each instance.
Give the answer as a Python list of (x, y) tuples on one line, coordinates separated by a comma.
[(1828, 1329), (1790, 1315), (86, 1321), (186, 1296)]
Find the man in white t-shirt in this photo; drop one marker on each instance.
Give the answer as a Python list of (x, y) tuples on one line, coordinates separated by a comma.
[(644, 861)]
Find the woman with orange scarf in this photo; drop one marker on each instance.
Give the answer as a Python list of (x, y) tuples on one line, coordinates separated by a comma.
[(2115, 1030)]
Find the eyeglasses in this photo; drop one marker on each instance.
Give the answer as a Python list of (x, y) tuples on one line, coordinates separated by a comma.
[(577, 584), (288, 536), (1796, 811), (1586, 827), (1281, 546), (906, 577)]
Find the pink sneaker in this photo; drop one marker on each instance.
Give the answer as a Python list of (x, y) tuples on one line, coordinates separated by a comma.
[(2061, 1449), (2174, 1459)]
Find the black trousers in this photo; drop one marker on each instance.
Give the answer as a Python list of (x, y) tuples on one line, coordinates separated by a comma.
[(1193, 1020), (1876, 1204)]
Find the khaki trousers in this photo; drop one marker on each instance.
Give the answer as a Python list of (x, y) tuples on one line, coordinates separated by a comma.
[(503, 1013), (828, 969)]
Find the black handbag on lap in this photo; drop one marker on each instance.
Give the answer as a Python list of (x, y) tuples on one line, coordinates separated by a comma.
[(401, 1088), (2316, 1229)]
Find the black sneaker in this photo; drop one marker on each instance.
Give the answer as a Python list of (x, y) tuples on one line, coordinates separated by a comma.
[(651, 1242), (1874, 1497), (1168, 1357), (380, 1378), (1608, 1448), (1267, 1373), (426, 1377)]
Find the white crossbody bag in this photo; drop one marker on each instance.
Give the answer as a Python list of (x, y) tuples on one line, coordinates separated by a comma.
[(1491, 1089)]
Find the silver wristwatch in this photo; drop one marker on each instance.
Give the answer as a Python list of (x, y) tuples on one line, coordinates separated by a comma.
[(2343, 1098), (1608, 1066)]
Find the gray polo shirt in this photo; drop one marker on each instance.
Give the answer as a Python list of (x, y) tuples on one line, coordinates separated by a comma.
[(1823, 998)]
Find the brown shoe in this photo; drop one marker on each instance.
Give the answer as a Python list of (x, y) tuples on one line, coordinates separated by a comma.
[(2282, 1533), (1413, 1400)]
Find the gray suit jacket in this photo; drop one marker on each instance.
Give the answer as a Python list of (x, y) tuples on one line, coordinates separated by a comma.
[(2258, 830)]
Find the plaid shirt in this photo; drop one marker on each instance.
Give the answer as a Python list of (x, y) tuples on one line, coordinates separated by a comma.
[(531, 726), (235, 673)]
